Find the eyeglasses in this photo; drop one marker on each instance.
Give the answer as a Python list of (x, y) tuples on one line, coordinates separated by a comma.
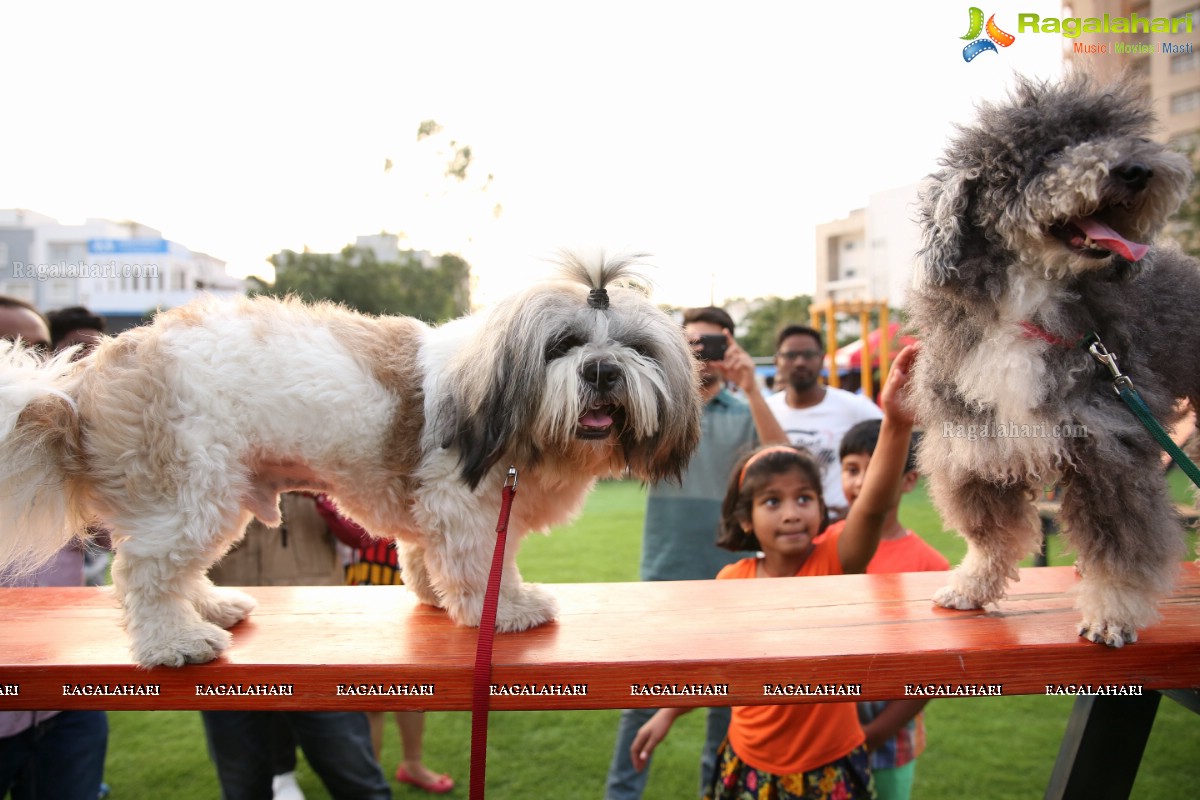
[(796, 355)]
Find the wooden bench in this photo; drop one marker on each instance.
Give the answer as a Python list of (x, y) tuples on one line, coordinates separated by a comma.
[(693, 643), (878, 633)]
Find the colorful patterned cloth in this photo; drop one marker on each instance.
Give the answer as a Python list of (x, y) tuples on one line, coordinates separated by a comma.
[(848, 778)]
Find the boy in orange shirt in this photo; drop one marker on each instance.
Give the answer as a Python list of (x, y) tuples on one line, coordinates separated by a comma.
[(895, 729)]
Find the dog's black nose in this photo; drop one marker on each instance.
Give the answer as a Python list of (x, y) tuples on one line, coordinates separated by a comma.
[(1134, 175), (601, 375)]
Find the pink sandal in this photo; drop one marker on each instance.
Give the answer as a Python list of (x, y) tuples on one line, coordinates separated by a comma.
[(441, 784)]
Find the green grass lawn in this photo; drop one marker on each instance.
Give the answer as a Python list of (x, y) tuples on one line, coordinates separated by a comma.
[(988, 748)]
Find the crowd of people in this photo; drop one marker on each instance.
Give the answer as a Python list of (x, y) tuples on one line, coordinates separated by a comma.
[(804, 481)]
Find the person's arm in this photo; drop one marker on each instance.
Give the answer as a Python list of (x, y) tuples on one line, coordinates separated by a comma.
[(738, 368), (650, 734), (885, 474), (894, 716)]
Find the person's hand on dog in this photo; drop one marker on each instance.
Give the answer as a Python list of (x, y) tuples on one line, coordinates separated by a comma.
[(894, 399)]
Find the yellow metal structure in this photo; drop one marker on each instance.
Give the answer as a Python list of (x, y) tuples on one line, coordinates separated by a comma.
[(825, 318)]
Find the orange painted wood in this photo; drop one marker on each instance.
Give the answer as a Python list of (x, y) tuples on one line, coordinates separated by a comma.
[(878, 633)]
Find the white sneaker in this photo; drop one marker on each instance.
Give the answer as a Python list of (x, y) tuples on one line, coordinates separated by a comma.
[(284, 787)]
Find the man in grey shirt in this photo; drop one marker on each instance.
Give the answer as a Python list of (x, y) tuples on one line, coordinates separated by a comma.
[(680, 531)]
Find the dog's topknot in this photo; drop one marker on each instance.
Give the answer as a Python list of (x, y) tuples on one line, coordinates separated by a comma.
[(599, 272)]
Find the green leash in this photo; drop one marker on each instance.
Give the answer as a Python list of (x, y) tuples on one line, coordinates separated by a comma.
[(1124, 388)]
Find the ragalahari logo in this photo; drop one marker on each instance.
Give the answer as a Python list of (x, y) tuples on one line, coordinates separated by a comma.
[(995, 36)]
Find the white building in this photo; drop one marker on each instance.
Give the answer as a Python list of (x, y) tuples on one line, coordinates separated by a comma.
[(869, 254), (121, 270), (386, 249), (1170, 76)]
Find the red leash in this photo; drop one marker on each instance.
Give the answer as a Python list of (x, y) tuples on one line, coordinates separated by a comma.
[(483, 649)]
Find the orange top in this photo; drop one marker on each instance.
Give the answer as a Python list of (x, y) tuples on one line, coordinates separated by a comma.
[(786, 739), (909, 553)]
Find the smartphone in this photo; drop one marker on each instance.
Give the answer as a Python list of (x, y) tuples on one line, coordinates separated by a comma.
[(712, 347)]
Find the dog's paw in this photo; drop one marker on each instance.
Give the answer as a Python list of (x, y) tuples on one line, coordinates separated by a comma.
[(225, 607), (424, 593), (1112, 635), (196, 643), (950, 597), (1111, 611), (526, 608)]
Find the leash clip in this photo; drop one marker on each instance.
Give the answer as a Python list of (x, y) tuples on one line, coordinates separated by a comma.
[(1101, 354), (511, 476), (1128, 394)]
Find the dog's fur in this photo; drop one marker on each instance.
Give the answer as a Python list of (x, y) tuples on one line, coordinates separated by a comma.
[(999, 251), (174, 434)]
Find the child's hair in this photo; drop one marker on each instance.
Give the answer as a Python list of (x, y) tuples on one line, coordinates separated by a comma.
[(750, 474), (862, 438)]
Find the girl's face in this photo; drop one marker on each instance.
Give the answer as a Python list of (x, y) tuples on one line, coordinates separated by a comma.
[(785, 515)]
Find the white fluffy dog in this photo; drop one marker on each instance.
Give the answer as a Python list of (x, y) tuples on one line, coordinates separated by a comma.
[(176, 433)]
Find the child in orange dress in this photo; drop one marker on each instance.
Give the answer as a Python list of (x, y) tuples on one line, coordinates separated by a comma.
[(774, 505)]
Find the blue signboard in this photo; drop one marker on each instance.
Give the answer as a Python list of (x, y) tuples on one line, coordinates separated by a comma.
[(127, 245)]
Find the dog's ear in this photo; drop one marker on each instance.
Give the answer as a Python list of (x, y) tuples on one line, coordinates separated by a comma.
[(944, 225), (665, 455), (486, 410)]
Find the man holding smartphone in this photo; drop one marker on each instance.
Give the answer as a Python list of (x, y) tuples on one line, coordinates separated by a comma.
[(680, 531)]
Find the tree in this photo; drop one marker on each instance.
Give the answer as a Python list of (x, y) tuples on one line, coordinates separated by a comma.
[(355, 278), (767, 316)]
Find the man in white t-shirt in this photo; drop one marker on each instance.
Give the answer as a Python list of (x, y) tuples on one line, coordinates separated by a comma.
[(813, 415)]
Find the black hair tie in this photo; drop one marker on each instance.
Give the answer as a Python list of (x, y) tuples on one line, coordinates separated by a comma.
[(598, 298)]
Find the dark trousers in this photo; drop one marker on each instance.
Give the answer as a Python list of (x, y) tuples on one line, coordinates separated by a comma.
[(337, 745), (61, 758)]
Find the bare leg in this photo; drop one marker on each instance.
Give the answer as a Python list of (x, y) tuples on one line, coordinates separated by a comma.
[(375, 720), (411, 725)]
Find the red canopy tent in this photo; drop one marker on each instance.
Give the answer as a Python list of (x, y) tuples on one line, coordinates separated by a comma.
[(850, 356)]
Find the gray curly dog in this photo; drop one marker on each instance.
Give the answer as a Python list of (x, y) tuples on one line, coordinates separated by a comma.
[(1040, 229)]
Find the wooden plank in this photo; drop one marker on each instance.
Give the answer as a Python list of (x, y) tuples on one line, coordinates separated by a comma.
[(619, 643)]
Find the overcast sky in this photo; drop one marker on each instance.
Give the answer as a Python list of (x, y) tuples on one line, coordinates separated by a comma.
[(711, 135)]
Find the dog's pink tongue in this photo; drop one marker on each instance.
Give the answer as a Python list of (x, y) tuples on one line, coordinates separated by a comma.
[(1109, 239), (595, 418)]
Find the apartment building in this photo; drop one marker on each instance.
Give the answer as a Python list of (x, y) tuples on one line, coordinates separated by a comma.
[(1167, 63), (122, 270)]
